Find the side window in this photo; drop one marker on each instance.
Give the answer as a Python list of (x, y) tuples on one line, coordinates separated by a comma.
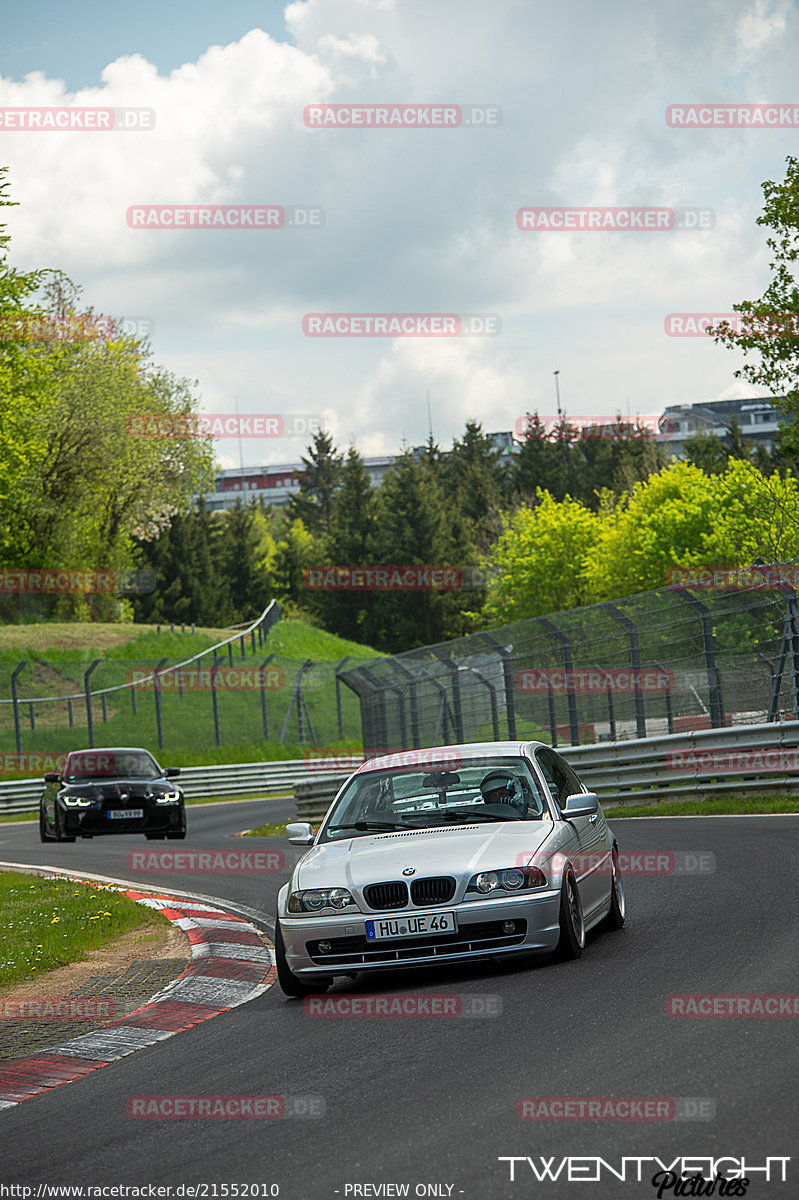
[(561, 779)]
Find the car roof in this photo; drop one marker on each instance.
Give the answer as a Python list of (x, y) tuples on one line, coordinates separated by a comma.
[(425, 755)]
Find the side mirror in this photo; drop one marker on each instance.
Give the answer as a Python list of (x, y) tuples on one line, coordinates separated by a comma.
[(300, 833), (171, 772), (581, 804), (52, 777)]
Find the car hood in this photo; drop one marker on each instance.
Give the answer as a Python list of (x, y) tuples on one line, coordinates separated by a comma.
[(115, 787), (374, 858)]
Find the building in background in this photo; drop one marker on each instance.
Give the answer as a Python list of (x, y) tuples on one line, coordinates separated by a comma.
[(758, 420)]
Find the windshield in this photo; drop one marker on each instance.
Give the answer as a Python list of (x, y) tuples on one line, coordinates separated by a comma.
[(97, 766), (500, 789)]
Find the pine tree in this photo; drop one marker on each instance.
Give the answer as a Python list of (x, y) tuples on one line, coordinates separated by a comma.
[(313, 504)]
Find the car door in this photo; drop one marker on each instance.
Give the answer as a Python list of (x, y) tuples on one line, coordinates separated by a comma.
[(592, 833)]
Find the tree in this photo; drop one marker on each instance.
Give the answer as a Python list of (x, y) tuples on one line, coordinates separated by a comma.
[(350, 543), (537, 565), (187, 560), (472, 475), (247, 579), (769, 327), (313, 504)]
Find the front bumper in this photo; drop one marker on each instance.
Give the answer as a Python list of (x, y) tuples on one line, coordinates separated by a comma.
[(479, 935), (94, 819)]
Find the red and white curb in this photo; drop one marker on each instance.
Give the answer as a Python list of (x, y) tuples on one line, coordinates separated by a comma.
[(229, 966)]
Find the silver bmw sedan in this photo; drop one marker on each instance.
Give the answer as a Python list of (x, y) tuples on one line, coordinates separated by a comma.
[(446, 855)]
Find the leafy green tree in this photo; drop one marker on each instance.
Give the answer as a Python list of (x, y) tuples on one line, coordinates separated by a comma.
[(295, 551), (769, 326), (537, 565), (707, 451)]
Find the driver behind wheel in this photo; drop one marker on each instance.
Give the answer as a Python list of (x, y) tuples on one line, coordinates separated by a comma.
[(503, 787)]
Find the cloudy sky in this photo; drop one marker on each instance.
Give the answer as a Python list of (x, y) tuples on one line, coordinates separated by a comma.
[(416, 220)]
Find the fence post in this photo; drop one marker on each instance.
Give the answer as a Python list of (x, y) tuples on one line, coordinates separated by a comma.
[(70, 714), (713, 677), (157, 687), (87, 693), (413, 698), (453, 669), (635, 659), (568, 665), (507, 673), (32, 716), (264, 718), (243, 647), (215, 703), (15, 702), (339, 665)]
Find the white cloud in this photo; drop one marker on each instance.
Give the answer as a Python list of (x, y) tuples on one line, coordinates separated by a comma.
[(423, 220)]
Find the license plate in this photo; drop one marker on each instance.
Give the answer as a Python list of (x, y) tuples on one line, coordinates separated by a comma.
[(410, 926), (121, 813)]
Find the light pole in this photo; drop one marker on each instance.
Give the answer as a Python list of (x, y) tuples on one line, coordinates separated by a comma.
[(561, 429)]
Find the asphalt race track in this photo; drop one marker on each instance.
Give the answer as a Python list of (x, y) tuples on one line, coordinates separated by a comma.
[(433, 1101)]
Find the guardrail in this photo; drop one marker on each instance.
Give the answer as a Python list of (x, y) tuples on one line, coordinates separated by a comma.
[(200, 783), (640, 771)]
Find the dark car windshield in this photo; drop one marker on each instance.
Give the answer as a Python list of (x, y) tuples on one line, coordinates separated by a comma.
[(97, 766), (414, 797)]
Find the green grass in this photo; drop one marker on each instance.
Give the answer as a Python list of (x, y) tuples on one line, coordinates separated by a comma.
[(56, 668), (713, 806), (296, 639), (48, 923), (267, 831)]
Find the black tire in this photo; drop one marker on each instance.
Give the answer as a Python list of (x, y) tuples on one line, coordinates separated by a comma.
[(289, 983), (155, 837), (44, 836), (176, 836), (572, 926), (618, 907), (59, 836)]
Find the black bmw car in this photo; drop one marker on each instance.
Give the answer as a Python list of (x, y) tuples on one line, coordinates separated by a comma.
[(114, 790)]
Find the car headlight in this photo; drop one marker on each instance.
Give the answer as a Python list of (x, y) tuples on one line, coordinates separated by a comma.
[(315, 899), (511, 879), (168, 798), (75, 801)]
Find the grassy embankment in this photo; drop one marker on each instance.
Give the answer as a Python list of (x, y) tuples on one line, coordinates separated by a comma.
[(48, 923)]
